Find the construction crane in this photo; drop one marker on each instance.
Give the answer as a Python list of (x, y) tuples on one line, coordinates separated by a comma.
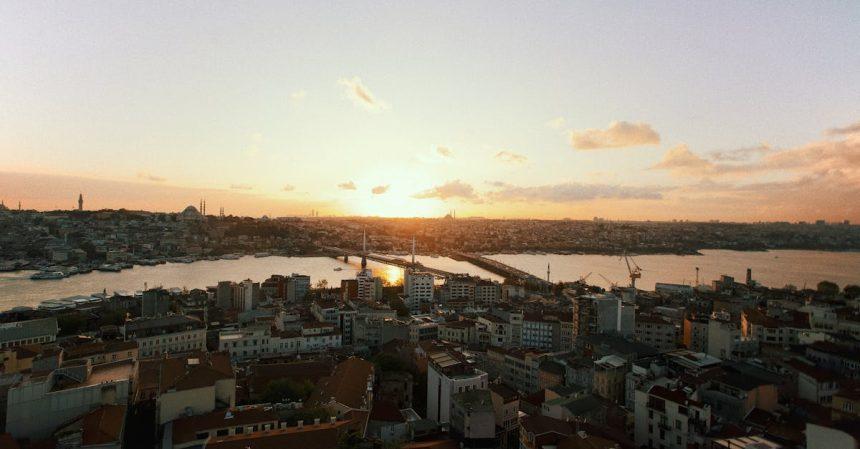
[(634, 270), (582, 279), (613, 285)]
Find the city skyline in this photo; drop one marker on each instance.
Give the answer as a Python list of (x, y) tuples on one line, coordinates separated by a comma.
[(734, 111)]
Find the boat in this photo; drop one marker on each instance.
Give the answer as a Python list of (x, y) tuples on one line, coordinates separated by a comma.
[(338, 269), (113, 268), (261, 255), (231, 257), (47, 275)]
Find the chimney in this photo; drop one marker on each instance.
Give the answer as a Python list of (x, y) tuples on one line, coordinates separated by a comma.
[(300, 424), (333, 419), (749, 276), (316, 421)]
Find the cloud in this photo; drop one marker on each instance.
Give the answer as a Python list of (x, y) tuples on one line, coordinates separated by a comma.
[(150, 177), (349, 185), (618, 135), (444, 152), (683, 162), (241, 187), (556, 123), (361, 95), (681, 158), (451, 189), (510, 156), (571, 192), (741, 154), (298, 95), (288, 188), (853, 128), (379, 190)]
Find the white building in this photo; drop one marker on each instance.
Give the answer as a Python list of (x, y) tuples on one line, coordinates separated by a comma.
[(38, 405), (42, 330), (449, 373), (166, 335), (418, 287), (670, 419)]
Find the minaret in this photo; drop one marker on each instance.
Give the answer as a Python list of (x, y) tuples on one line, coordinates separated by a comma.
[(80, 201), (364, 249), (547, 271), (413, 250), (204, 208)]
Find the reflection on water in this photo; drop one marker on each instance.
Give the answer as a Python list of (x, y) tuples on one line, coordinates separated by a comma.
[(775, 268), (770, 268), (17, 289)]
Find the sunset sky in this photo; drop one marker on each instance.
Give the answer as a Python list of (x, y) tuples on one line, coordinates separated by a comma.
[(740, 111)]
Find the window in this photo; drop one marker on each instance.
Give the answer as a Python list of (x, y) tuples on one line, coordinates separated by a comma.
[(222, 432), (201, 435)]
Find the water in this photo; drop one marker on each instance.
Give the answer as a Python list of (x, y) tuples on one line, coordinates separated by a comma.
[(770, 268), (16, 288), (774, 268)]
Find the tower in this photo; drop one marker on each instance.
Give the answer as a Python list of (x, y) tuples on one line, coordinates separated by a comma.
[(547, 271), (80, 201), (413, 250), (364, 249), (204, 208)]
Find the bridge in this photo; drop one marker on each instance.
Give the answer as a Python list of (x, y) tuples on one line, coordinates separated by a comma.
[(499, 268), (388, 260), (493, 266)]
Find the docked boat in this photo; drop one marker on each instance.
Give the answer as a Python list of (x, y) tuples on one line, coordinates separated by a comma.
[(261, 255), (338, 269), (113, 268), (48, 275), (231, 257)]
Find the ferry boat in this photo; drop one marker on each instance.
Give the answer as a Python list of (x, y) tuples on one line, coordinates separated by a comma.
[(47, 275), (338, 269), (231, 257)]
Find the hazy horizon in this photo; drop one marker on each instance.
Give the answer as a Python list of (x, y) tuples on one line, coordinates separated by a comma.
[(696, 111)]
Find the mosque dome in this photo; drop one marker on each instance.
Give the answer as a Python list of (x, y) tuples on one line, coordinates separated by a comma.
[(190, 213)]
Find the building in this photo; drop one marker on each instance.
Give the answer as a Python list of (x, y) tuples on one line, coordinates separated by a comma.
[(298, 286), (348, 389), (657, 331), (449, 372), (17, 333), (506, 407), (195, 431), (670, 419), (170, 334), (610, 377), (418, 287), (186, 385), (37, 405), (224, 294), (473, 418), (155, 303), (102, 428), (696, 333)]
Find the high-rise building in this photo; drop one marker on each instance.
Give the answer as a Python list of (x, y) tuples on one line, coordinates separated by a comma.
[(298, 286), (224, 294), (418, 287)]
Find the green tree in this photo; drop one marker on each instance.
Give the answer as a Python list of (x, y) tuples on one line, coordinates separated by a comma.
[(72, 324), (389, 363), (397, 305), (851, 291)]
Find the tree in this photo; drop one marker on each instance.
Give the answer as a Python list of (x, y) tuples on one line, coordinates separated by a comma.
[(851, 291), (828, 288), (389, 363), (397, 304), (287, 390)]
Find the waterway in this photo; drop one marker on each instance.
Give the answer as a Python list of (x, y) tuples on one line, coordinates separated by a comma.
[(771, 268)]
